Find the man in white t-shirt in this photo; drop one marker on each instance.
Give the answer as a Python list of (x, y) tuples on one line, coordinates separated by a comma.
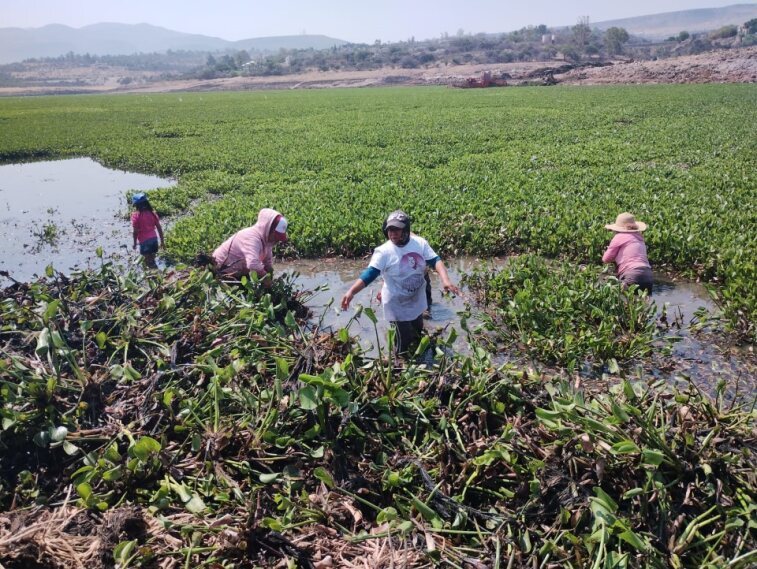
[(402, 261)]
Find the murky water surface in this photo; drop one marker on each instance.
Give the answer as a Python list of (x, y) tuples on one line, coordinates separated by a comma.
[(60, 211), (337, 275)]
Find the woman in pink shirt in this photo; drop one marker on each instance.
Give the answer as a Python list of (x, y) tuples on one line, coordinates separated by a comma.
[(251, 249), (146, 225), (629, 252)]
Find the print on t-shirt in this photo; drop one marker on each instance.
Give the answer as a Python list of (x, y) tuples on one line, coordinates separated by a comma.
[(412, 267)]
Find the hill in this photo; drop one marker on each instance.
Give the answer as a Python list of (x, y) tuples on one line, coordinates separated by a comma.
[(55, 40), (659, 26), (17, 44)]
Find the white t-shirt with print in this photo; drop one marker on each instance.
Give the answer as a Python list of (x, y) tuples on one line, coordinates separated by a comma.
[(404, 292)]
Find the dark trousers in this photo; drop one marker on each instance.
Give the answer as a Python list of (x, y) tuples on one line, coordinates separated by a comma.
[(428, 288), (407, 333), (641, 277)]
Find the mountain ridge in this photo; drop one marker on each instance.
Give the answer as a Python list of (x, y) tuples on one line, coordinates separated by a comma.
[(696, 20), (110, 38)]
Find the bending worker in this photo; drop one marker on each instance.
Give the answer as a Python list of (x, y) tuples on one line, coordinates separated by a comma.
[(628, 251), (250, 250), (402, 261)]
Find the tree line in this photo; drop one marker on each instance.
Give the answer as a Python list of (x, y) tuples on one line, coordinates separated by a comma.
[(581, 42)]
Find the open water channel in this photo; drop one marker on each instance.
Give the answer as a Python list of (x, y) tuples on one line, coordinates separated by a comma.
[(60, 212)]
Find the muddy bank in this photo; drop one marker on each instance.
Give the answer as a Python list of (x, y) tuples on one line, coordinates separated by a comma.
[(738, 65)]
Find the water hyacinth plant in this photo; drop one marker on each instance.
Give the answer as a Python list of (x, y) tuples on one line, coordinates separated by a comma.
[(177, 421), (561, 313)]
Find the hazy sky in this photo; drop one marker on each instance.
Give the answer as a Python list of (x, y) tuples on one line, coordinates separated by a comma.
[(351, 20)]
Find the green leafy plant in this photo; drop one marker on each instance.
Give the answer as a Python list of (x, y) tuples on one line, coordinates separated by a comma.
[(559, 312)]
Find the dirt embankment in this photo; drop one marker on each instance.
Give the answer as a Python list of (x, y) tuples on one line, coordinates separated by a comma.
[(726, 66)]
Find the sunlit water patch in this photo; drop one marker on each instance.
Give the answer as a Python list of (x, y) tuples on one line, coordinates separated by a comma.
[(59, 212)]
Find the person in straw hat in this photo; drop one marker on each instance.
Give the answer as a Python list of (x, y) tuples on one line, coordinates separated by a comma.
[(629, 252)]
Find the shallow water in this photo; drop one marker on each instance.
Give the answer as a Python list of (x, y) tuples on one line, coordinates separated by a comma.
[(337, 275), (705, 357), (692, 355), (682, 299), (60, 211)]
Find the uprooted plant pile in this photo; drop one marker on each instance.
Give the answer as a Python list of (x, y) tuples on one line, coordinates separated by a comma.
[(175, 421)]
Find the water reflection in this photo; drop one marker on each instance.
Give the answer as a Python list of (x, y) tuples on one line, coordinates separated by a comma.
[(60, 211)]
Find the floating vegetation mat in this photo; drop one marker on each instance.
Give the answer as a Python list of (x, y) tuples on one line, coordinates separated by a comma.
[(484, 172), (559, 312), (177, 421)]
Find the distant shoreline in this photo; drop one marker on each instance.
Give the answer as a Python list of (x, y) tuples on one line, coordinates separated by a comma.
[(738, 65)]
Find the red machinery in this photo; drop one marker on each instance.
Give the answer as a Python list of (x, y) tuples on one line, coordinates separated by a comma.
[(485, 80)]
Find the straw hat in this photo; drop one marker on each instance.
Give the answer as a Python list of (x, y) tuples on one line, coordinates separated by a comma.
[(626, 223)]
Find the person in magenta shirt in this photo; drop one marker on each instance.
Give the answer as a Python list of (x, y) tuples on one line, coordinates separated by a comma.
[(629, 252), (251, 249), (146, 229)]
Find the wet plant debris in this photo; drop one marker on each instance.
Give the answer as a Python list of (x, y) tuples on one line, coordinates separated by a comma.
[(172, 420)]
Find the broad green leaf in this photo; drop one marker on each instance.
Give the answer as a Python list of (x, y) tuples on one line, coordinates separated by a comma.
[(428, 513), (632, 538), (308, 398), (625, 447), (370, 314), (289, 320), (652, 457), (324, 476), (195, 504), (619, 412), (113, 474), (58, 434), (144, 448), (51, 310), (84, 490), (608, 502), (124, 551), (100, 339), (388, 514), (268, 477), (43, 342)]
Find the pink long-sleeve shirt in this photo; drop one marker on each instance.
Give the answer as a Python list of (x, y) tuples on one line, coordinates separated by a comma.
[(628, 250), (248, 249)]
